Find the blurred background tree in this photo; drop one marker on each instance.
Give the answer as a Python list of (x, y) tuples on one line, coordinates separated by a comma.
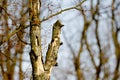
[(90, 36)]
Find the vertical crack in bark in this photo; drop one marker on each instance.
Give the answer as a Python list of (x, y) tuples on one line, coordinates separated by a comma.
[(37, 41)]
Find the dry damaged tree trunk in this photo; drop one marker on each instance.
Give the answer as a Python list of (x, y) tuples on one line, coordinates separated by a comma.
[(40, 70)]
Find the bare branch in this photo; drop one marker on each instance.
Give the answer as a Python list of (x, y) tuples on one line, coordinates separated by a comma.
[(116, 43), (6, 56), (22, 40), (51, 55), (12, 33), (63, 11)]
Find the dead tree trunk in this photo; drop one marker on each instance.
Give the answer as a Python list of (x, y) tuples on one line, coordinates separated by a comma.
[(35, 54), (41, 71)]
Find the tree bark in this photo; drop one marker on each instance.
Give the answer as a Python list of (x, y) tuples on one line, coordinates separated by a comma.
[(35, 29), (51, 55), (41, 71)]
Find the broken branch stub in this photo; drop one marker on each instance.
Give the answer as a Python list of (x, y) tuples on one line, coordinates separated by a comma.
[(51, 55)]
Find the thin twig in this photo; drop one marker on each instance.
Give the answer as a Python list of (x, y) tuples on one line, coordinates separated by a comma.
[(22, 40), (6, 56), (63, 11), (13, 33)]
